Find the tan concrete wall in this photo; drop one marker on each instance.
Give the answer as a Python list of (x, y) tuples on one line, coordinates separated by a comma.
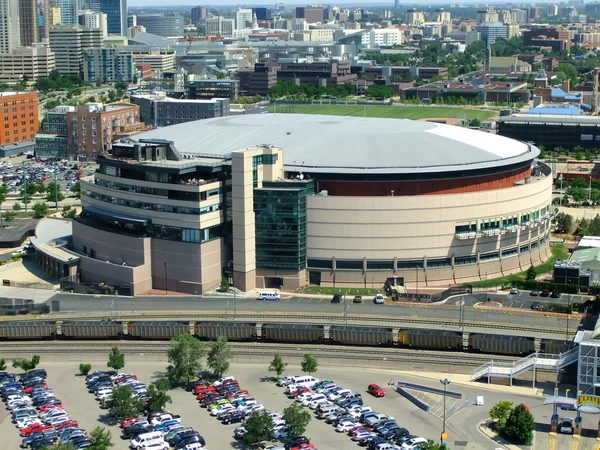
[(411, 227), (292, 281), (111, 246), (184, 266), (96, 271)]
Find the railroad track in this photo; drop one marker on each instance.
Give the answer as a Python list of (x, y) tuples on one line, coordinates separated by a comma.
[(253, 349), (291, 318)]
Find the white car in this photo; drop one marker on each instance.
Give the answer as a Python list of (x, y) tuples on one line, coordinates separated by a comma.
[(338, 393), (312, 398), (304, 396), (358, 410), (361, 435), (251, 408), (379, 299), (222, 408), (27, 421), (345, 425), (315, 403), (414, 443), (220, 381), (274, 415), (280, 433)]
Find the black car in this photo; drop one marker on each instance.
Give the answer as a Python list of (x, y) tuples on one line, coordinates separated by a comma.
[(555, 294), (137, 428), (182, 436), (397, 434), (192, 384), (35, 438), (194, 438), (34, 373), (373, 443), (296, 441), (337, 298), (233, 417)]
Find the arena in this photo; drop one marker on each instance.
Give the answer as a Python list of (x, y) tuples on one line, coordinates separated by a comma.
[(282, 201)]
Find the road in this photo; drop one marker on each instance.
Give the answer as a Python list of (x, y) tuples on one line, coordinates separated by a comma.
[(451, 312)]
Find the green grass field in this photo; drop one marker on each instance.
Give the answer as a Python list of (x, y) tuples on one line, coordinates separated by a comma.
[(393, 112)]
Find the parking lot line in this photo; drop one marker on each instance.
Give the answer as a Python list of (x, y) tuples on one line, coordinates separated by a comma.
[(511, 304)]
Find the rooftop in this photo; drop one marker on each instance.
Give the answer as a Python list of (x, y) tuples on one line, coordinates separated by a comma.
[(324, 144), (585, 255), (589, 241), (163, 98)]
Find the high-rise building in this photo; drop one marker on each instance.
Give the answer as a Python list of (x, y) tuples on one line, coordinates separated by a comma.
[(262, 13), (442, 16), (312, 14), (131, 20), (107, 65), (68, 11), (116, 15), (242, 17), (52, 141), (167, 26), (31, 62), (68, 43), (133, 31), (219, 26), (414, 18), (10, 36), (490, 31), (42, 19), (553, 10), (198, 14), (488, 15), (28, 21), (52, 18), (93, 19)]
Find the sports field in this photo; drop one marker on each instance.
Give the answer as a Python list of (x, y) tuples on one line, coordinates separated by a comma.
[(394, 112)]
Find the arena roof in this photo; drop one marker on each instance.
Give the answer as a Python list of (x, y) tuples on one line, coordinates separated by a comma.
[(323, 144)]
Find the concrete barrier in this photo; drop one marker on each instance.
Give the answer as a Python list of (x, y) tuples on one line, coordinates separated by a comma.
[(411, 398), (429, 389)]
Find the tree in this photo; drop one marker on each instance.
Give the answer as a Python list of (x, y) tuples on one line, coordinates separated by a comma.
[(296, 419), (158, 395), (430, 445), (84, 368), (500, 412), (564, 223), (219, 356), (520, 425), (475, 122), (259, 427), (530, 275), (26, 364), (54, 193), (124, 403), (68, 212), (579, 194), (2, 364), (76, 189), (9, 216), (101, 439), (40, 209), (309, 364), (185, 358), (116, 359), (277, 365), (224, 284), (121, 85), (16, 206)]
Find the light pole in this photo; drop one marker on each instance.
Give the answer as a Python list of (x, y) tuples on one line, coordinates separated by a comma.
[(444, 438), (560, 178), (568, 316), (55, 192), (166, 286)]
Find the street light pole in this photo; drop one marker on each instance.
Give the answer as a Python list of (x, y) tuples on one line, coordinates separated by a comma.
[(568, 316), (166, 286), (55, 192), (444, 437)]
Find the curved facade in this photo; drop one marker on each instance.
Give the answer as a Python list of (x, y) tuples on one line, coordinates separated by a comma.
[(282, 201)]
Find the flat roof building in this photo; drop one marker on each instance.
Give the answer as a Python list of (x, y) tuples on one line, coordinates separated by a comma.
[(31, 62), (68, 42), (19, 114)]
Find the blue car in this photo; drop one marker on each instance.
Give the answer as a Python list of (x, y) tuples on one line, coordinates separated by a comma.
[(166, 425)]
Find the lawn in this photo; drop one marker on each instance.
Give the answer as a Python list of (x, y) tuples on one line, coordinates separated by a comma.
[(340, 290), (558, 252), (393, 112)]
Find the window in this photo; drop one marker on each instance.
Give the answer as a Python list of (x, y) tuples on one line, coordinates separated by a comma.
[(409, 264), (440, 262), (464, 260), (320, 263), (356, 264), (509, 251), (489, 255), (380, 265), (470, 228)]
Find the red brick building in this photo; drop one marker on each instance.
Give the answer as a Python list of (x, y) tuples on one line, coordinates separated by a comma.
[(19, 115)]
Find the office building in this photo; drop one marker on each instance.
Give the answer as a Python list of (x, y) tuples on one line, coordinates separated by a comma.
[(53, 139), (442, 16), (330, 73), (134, 31), (68, 11), (164, 212), (219, 26), (158, 110), (556, 38), (108, 65), (116, 15), (488, 15), (93, 19), (68, 42), (243, 18), (31, 62), (160, 61), (19, 114), (490, 31), (131, 20), (198, 14), (52, 18), (43, 9), (209, 89), (28, 22), (10, 34), (382, 37), (257, 80), (262, 13), (167, 26), (312, 14), (93, 127), (414, 18)]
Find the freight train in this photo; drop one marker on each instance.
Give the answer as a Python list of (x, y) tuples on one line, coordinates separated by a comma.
[(282, 332)]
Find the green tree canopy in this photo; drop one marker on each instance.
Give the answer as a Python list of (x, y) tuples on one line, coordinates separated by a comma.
[(84, 368), (116, 359), (2, 364), (76, 189), (26, 364), (564, 223), (259, 427), (40, 209), (309, 364), (500, 412), (219, 356), (101, 439), (123, 403), (158, 393), (277, 365), (54, 192), (185, 356), (531, 273), (520, 425), (296, 419)]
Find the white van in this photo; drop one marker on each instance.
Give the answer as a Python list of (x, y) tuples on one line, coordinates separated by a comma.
[(305, 380), (269, 295), (146, 439)]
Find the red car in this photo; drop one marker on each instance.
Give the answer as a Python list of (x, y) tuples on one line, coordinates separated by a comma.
[(304, 447), (67, 423), (203, 388), (50, 406), (375, 390), (236, 393), (34, 427), (126, 422), (298, 391), (30, 388)]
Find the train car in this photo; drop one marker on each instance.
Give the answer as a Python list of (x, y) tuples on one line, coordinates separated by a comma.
[(555, 346), (502, 345), (293, 333), (233, 331), (430, 339), (92, 330), (156, 329), (360, 335), (27, 330)]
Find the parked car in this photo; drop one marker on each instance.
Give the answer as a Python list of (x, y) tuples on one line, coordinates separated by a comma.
[(536, 306), (566, 425), (379, 299), (337, 298), (357, 299), (514, 290), (534, 293)]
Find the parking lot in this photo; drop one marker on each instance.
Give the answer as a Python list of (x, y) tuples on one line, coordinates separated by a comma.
[(461, 425)]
